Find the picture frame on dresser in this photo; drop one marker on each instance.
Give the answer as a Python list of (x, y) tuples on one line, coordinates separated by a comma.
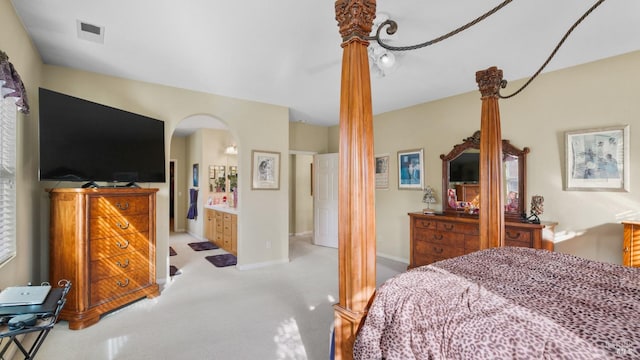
[(597, 159), (411, 169), (265, 170)]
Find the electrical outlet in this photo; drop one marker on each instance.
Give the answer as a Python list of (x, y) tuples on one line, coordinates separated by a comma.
[(268, 244)]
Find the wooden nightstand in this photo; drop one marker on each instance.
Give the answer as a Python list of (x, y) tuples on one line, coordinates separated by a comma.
[(631, 245)]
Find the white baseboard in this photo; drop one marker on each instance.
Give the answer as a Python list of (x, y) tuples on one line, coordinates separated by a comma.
[(199, 237), (304, 233), (394, 258)]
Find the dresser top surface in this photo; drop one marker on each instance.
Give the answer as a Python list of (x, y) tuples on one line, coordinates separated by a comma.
[(473, 219)]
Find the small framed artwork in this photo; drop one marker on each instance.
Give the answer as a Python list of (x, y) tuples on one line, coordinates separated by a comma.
[(195, 175), (597, 159), (410, 169), (265, 170), (382, 172)]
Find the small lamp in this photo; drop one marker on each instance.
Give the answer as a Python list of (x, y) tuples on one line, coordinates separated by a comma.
[(428, 198), (537, 208)]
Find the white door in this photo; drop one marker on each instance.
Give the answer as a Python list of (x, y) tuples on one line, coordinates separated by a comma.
[(325, 200)]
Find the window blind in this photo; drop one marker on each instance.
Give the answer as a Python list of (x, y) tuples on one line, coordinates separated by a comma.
[(7, 179)]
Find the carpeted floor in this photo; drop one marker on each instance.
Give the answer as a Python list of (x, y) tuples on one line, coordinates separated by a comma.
[(276, 312)]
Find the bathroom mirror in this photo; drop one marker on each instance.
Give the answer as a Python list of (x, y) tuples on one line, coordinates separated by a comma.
[(217, 178)]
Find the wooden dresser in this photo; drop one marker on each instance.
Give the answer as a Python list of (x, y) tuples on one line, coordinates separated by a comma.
[(103, 240), (221, 228), (631, 246), (438, 237)]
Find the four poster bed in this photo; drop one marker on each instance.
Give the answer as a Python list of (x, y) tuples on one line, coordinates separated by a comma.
[(499, 302)]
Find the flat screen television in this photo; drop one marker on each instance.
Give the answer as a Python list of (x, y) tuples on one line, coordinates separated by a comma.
[(88, 142), (465, 168)]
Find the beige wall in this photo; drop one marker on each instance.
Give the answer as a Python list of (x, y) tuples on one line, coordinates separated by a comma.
[(303, 199), (181, 195), (195, 156), (307, 137), (304, 141), (593, 95)]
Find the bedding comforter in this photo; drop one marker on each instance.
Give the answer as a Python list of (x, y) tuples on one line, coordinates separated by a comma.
[(506, 303)]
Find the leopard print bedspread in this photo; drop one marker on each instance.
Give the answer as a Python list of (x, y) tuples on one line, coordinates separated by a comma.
[(506, 303)]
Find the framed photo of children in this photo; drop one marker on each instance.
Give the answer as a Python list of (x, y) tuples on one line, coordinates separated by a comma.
[(382, 172), (597, 159), (410, 169), (265, 170)]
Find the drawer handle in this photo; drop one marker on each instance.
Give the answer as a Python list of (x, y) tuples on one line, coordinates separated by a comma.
[(437, 236), (124, 245), (123, 284), (122, 207), (512, 236), (123, 227), (448, 227), (626, 249), (438, 250), (123, 265)]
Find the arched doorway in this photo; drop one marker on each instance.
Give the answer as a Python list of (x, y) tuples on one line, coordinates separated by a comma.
[(198, 142)]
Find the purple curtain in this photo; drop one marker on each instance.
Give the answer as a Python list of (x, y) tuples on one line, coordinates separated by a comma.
[(193, 204), (11, 85)]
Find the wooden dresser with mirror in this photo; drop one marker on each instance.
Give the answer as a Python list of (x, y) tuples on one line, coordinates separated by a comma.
[(435, 237)]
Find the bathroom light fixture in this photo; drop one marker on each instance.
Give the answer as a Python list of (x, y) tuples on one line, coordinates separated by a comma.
[(231, 150)]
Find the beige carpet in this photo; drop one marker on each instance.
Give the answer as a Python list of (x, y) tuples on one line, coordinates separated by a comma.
[(279, 312)]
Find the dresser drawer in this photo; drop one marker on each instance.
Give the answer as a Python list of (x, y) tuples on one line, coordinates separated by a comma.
[(429, 249), (119, 285), (440, 237), (471, 229), (517, 237), (119, 245), (117, 226), (120, 264), (425, 224), (118, 206)]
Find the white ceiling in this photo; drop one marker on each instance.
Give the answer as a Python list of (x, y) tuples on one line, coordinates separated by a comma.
[(287, 52)]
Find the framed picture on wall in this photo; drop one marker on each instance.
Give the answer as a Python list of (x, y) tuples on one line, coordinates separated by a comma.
[(410, 169), (597, 159), (195, 175), (265, 170), (382, 172)]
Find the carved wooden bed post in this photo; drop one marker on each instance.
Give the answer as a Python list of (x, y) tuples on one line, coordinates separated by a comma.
[(356, 187), (491, 202)]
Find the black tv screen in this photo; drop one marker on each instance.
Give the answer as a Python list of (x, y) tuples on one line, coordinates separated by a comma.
[(465, 168), (84, 141)]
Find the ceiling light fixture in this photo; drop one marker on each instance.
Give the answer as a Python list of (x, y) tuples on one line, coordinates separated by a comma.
[(382, 62), (382, 21)]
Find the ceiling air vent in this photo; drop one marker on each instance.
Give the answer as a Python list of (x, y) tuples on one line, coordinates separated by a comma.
[(90, 32)]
